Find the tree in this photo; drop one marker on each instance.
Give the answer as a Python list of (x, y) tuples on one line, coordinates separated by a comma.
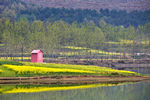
[(147, 31), (8, 37)]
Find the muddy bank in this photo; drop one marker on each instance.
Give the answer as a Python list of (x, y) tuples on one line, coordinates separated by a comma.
[(71, 79)]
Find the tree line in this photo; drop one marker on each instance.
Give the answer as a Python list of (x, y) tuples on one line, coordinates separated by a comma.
[(23, 36), (114, 17)]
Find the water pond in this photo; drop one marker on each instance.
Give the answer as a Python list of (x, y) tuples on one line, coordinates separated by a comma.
[(105, 91)]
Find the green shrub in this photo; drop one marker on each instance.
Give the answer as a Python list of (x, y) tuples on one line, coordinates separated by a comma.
[(115, 74)]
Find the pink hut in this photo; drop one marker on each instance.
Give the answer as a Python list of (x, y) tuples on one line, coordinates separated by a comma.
[(37, 56)]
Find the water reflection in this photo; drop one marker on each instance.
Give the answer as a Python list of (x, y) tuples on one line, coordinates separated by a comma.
[(5, 89), (137, 91)]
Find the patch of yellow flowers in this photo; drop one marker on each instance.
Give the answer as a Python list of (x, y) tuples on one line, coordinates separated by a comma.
[(128, 42), (76, 48), (1, 71), (88, 50), (96, 69), (41, 70), (103, 52), (64, 68)]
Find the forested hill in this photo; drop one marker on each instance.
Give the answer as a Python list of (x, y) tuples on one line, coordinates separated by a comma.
[(11, 8), (128, 5), (16, 10)]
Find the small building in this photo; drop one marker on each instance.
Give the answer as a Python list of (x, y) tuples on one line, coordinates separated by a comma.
[(37, 56)]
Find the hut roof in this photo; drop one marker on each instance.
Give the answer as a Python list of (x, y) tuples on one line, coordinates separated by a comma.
[(36, 51)]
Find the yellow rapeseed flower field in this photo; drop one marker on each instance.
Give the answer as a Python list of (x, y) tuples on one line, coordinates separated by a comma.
[(128, 42), (88, 50), (41, 70), (35, 68), (73, 47)]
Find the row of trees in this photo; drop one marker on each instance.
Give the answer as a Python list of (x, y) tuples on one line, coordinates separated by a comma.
[(23, 36), (26, 36), (114, 17)]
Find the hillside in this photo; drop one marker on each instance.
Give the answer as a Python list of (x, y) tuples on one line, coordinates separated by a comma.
[(11, 8), (18, 9), (128, 5)]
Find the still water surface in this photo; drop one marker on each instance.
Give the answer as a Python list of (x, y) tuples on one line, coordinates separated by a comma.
[(128, 91)]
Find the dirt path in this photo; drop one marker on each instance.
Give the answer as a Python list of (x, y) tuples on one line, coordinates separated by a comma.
[(70, 79)]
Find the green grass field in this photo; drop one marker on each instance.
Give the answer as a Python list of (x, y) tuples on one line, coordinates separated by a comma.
[(21, 69)]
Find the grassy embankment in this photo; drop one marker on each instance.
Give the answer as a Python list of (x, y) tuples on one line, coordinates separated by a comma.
[(21, 69)]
